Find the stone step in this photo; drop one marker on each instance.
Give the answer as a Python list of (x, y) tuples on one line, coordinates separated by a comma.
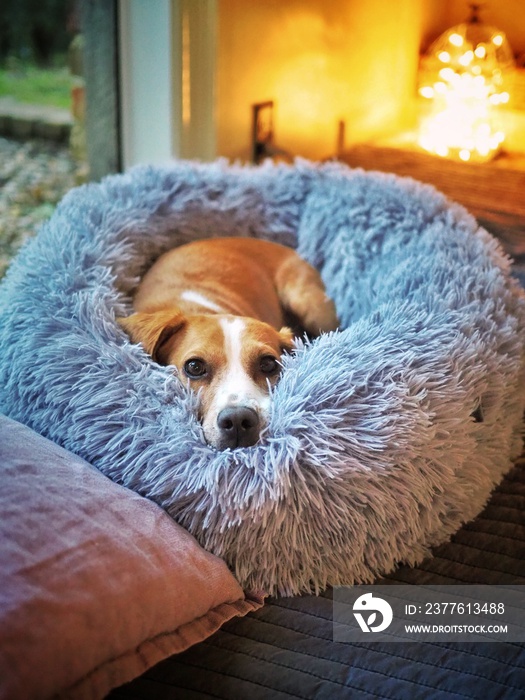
[(24, 121)]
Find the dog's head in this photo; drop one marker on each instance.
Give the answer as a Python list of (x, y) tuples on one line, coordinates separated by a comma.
[(230, 361)]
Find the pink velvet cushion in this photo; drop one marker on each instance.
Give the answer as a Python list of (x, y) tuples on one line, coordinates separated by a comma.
[(97, 584)]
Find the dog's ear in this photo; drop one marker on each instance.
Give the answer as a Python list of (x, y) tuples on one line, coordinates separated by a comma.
[(286, 337), (153, 329)]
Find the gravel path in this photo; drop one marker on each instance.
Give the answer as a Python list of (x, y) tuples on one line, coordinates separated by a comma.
[(34, 176)]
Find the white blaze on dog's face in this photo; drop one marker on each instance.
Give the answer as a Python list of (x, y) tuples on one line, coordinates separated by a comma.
[(229, 361)]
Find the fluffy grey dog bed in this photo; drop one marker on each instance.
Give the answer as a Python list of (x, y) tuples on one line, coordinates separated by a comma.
[(384, 436)]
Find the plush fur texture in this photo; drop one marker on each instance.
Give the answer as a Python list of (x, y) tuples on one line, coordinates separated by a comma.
[(384, 437)]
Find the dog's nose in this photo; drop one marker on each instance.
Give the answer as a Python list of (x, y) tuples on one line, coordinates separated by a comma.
[(239, 426)]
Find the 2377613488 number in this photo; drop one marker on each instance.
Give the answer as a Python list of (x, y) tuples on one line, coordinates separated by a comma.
[(454, 608)]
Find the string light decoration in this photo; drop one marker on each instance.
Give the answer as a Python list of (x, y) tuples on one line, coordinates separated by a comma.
[(467, 81)]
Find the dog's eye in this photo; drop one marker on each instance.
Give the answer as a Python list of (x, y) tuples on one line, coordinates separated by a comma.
[(269, 365), (195, 368)]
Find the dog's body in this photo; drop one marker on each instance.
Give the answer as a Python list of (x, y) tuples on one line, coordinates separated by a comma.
[(215, 309)]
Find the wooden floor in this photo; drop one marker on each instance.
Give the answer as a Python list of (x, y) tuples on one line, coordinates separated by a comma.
[(493, 192)]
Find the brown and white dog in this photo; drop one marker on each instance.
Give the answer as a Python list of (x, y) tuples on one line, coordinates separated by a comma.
[(215, 309)]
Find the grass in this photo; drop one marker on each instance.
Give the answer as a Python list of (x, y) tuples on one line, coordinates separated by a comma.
[(45, 86)]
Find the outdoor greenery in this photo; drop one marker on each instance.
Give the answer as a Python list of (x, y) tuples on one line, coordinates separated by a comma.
[(32, 84), (35, 36)]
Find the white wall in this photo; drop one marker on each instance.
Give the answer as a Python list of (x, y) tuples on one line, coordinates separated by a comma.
[(147, 86), (321, 62), (167, 64)]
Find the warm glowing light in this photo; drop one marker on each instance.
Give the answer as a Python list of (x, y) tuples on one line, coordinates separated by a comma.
[(462, 121), (427, 92), (456, 39), (484, 131), (446, 74), (480, 51), (186, 71), (466, 58), (499, 98), (464, 91)]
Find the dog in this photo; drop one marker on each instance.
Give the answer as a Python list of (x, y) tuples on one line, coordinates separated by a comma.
[(217, 310)]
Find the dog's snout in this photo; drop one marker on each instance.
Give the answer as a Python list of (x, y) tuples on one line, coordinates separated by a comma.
[(239, 426)]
